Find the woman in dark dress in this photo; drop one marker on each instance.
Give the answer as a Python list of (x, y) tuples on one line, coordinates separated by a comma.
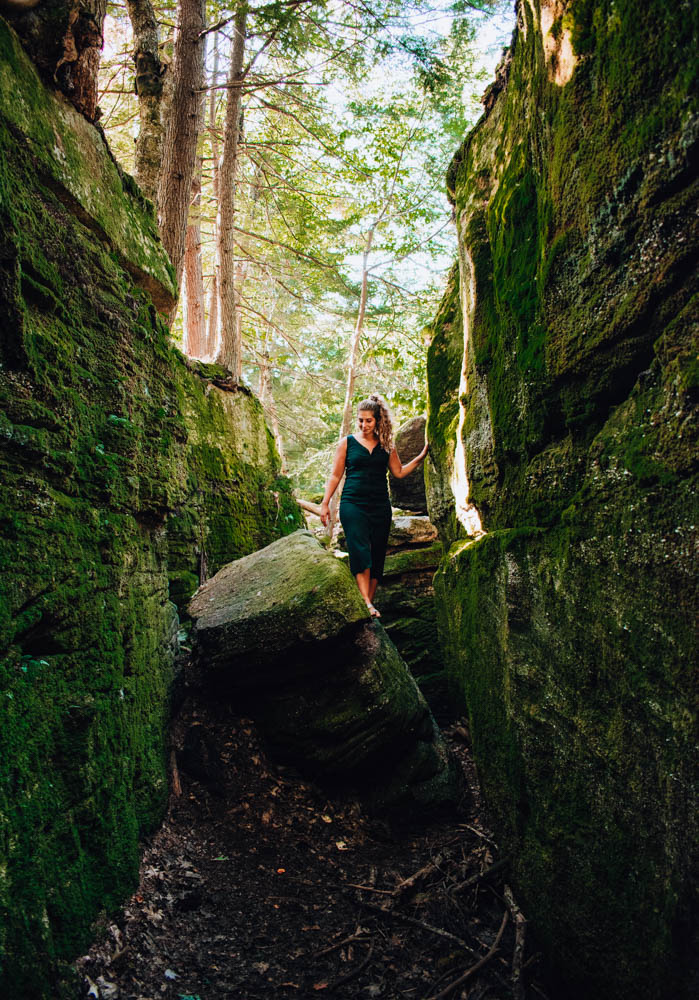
[(365, 510)]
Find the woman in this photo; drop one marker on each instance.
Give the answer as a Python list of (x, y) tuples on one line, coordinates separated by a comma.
[(365, 510)]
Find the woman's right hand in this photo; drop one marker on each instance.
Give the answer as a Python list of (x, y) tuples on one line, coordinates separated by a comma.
[(325, 513)]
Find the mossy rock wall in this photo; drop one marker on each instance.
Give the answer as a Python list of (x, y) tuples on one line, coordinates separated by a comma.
[(563, 404), (119, 467)]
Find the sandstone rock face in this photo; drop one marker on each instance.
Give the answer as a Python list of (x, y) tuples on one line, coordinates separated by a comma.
[(409, 493), (562, 403), (287, 629), (409, 615), (116, 489)]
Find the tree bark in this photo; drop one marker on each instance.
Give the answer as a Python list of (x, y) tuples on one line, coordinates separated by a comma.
[(182, 131), (64, 40), (356, 337), (194, 324), (231, 345), (212, 330), (266, 394), (149, 88)]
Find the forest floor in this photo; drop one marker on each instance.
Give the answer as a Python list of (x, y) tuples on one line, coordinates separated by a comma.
[(257, 885)]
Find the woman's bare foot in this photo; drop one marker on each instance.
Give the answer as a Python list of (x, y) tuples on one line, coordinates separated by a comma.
[(372, 610)]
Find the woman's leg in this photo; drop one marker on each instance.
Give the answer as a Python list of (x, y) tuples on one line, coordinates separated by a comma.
[(373, 584), (363, 584)]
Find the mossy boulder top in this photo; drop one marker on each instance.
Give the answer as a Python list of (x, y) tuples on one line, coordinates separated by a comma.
[(288, 595), (286, 630), (411, 530)]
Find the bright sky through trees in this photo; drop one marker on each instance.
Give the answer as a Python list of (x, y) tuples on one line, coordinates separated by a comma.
[(350, 115)]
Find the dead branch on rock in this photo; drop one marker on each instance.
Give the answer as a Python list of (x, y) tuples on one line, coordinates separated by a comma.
[(313, 508)]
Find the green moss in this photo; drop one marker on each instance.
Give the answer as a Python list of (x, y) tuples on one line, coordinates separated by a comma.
[(570, 642), (107, 439)]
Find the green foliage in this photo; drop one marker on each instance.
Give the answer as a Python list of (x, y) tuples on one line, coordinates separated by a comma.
[(349, 112)]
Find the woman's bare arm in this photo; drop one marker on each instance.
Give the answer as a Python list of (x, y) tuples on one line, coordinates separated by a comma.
[(338, 471), (399, 470)]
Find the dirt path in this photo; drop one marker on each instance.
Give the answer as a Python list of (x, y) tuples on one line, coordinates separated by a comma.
[(258, 886)]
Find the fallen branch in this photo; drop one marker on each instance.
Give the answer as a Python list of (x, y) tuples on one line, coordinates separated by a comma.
[(478, 833), (339, 944), (355, 972), (370, 888), (403, 918), (314, 508), (409, 883), (479, 964), (480, 877), (176, 784), (520, 933)]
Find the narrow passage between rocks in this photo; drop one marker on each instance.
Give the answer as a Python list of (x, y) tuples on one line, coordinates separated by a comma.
[(257, 886)]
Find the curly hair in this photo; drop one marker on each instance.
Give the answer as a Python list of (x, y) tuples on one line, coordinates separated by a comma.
[(384, 424)]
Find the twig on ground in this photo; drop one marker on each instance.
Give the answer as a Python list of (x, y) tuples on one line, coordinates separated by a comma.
[(480, 877), (409, 883), (355, 972), (478, 833), (403, 918), (370, 888), (479, 964), (339, 944), (520, 933)]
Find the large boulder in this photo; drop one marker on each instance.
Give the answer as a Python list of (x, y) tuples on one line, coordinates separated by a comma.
[(409, 493), (562, 394), (286, 630)]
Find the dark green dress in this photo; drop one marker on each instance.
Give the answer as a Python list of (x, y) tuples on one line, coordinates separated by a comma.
[(365, 510)]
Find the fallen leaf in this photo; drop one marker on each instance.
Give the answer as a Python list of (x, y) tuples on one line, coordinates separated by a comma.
[(326, 818), (341, 845), (320, 986)]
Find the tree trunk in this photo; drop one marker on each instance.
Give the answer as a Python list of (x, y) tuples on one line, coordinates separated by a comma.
[(231, 346), (356, 337), (266, 394), (194, 325), (149, 87), (352, 364), (64, 40), (182, 131), (212, 331)]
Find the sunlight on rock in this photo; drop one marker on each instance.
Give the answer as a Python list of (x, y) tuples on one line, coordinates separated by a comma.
[(558, 47), (466, 512)]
